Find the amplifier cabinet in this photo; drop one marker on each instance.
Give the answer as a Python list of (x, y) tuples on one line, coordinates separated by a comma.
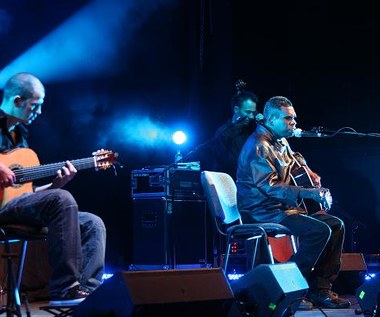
[(174, 183), (171, 233), (149, 182)]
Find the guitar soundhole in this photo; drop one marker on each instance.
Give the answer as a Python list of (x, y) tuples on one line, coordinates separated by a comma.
[(15, 167)]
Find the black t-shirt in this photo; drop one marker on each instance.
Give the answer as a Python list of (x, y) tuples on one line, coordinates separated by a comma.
[(228, 142), (7, 142)]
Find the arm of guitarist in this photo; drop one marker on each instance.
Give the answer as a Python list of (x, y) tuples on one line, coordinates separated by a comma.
[(7, 176), (64, 175), (315, 178), (321, 195)]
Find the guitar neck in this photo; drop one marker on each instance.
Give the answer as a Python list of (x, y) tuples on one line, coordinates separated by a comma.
[(28, 174)]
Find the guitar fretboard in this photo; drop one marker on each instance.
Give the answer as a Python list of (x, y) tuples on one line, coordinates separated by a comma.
[(37, 172)]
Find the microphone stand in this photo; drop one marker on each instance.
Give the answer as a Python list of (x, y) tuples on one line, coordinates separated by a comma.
[(203, 145), (376, 312), (343, 131), (355, 223), (217, 135)]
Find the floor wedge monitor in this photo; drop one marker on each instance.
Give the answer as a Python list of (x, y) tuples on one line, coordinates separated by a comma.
[(270, 290), (169, 293), (368, 296)]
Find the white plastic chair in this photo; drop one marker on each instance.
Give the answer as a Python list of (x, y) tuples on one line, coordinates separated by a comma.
[(220, 193)]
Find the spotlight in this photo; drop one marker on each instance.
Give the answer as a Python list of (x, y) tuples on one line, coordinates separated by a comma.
[(107, 276), (179, 137)]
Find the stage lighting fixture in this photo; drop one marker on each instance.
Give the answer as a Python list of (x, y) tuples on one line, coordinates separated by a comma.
[(179, 137)]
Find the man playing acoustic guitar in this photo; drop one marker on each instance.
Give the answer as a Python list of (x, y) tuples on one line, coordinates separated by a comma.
[(267, 191), (76, 240)]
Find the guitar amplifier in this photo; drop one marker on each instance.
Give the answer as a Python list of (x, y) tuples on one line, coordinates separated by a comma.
[(149, 182), (177, 183), (170, 234)]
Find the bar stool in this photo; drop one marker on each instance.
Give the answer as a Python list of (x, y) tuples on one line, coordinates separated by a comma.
[(22, 234)]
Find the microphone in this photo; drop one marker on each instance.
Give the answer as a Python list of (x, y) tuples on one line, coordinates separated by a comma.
[(259, 117), (240, 119), (314, 133)]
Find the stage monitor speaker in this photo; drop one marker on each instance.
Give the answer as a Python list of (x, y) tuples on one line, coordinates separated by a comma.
[(269, 290), (186, 292), (351, 275), (368, 297)]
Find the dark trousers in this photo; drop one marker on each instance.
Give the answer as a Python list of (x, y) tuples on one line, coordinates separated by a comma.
[(76, 240), (321, 238)]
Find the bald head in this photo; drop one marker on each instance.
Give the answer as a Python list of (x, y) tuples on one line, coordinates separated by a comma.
[(23, 97), (24, 85)]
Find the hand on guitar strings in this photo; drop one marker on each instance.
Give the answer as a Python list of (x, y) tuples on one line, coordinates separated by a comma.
[(321, 195), (326, 199), (7, 176), (64, 175)]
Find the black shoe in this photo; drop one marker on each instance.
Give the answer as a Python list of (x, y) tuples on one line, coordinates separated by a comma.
[(305, 305), (327, 299), (71, 297)]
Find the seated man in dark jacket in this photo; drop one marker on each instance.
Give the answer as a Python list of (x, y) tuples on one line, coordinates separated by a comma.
[(268, 192)]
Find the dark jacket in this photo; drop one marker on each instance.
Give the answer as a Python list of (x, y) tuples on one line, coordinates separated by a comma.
[(264, 189), (228, 142)]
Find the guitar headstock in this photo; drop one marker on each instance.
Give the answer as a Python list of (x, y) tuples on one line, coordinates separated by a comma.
[(104, 159)]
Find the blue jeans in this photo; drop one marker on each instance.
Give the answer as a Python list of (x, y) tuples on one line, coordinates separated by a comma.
[(76, 240)]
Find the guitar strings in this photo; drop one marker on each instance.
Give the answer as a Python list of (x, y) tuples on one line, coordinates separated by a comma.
[(35, 172)]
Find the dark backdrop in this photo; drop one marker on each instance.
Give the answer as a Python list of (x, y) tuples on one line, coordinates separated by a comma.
[(181, 66)]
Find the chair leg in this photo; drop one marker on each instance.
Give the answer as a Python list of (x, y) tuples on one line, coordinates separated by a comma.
[(250, 245), (26, 303), (264, 251), (254, 255), (270, 253), (13, 306), (226, 256), (294, 243), (20, 270)]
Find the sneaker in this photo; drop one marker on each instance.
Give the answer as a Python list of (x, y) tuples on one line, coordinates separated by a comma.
[(305, 305), (71, 297), (327, 299)]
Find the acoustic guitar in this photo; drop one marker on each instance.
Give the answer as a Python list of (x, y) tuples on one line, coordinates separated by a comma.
[(25, 164), (301, 177)]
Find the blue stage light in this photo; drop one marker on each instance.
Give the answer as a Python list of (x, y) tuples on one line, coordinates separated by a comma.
[(234, 276), (107, 276), (87, 45), (370, 276), (179, 137)]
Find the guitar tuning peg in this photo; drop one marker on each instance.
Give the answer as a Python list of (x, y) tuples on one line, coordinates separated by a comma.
[(98, 152)]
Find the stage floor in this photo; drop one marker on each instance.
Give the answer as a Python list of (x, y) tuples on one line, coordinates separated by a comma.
[(333, 312), (37, 312)]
